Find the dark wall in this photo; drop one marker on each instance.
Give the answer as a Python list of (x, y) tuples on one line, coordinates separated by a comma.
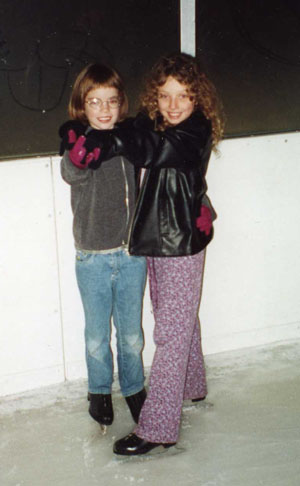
[(251, 49), (43, 45)]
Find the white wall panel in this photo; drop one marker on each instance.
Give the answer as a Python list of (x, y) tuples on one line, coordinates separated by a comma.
[(30, 332), (252, 275), (253, 264), (72, 312)]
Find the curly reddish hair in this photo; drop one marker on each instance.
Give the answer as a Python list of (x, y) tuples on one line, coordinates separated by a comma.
[(186, 70)]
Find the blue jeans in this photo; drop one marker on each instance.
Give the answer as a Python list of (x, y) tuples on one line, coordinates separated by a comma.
[(112, 285)]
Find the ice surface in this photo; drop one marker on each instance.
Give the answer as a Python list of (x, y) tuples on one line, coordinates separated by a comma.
[(247, 431)]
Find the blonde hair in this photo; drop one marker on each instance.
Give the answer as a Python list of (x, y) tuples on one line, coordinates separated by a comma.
[(92, 77), (186, 70)]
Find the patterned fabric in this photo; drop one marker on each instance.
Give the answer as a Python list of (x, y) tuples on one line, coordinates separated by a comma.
[(177, 371)]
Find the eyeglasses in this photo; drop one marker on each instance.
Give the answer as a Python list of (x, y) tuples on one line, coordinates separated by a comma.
[(96, 103)]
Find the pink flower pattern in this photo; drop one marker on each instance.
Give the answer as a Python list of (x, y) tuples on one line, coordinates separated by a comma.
[(178, 370)]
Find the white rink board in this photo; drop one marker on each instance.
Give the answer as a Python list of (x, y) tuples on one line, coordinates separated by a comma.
[(252, 274)]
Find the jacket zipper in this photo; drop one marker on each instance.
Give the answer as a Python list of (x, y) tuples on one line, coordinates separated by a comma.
[(136, 205), (126, 194)]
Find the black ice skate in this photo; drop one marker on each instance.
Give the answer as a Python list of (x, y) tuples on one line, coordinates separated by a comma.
[(101, 409)]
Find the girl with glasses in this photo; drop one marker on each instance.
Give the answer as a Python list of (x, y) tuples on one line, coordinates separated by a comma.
[(110, 281)]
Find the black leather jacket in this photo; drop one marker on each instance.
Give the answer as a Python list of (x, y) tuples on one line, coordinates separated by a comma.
[(164, 223)]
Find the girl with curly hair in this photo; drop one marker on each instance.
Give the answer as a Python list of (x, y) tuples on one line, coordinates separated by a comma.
[(172, 226), (187, 124), (185, 70)]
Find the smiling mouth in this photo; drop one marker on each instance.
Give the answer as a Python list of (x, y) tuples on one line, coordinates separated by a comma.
[(174, 116), (104, 119)]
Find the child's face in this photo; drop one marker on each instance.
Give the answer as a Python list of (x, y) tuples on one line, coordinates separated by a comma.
[(174, 102), (102, 107)]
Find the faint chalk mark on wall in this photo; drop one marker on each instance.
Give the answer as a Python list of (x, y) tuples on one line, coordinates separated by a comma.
[(40, 84)]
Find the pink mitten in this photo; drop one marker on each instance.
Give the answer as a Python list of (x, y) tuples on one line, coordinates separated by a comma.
[(93, 156), (77, 153), (72, 137), (204, 221)]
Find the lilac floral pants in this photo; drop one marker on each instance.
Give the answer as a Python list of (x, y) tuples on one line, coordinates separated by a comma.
[(177, 371)]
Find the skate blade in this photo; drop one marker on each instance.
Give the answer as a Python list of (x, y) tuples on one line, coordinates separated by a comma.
[(103, 429), (157, 453)]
